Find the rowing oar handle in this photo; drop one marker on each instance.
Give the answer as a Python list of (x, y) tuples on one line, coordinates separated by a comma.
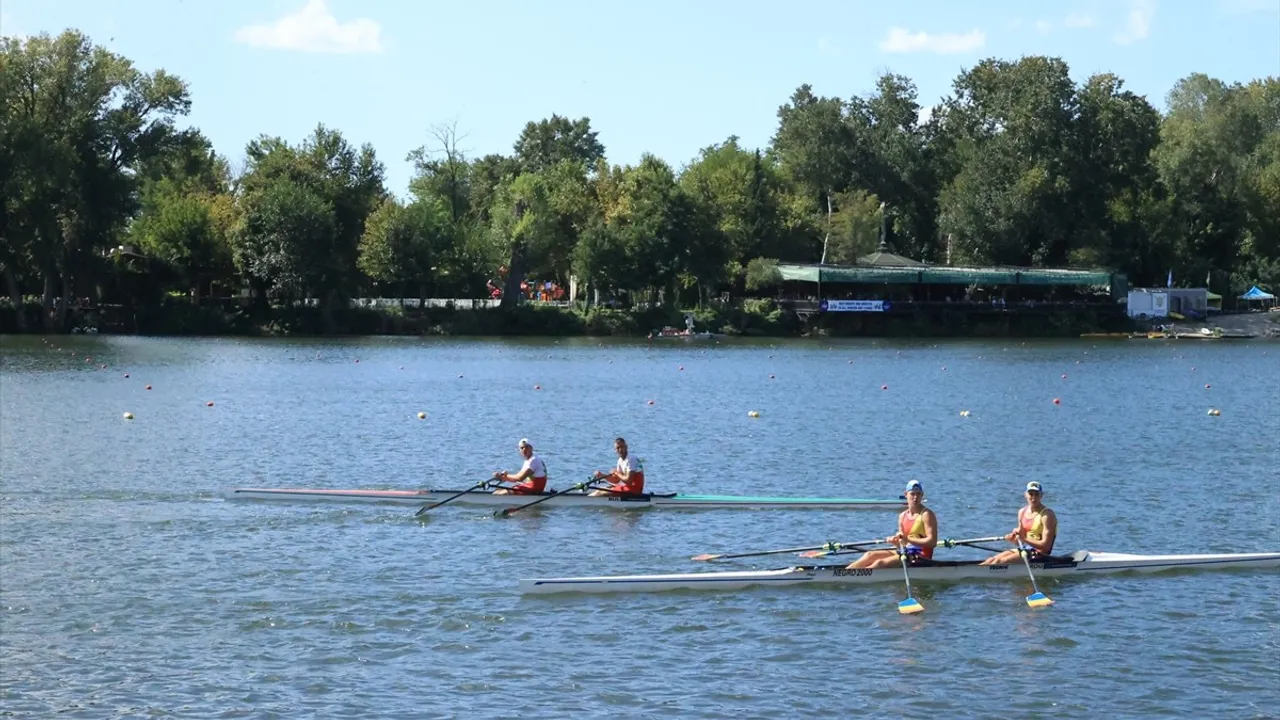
[(511, 510)]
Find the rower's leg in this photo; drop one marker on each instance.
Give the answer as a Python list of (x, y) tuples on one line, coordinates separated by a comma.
[(1003, 558), (888, 561), (872, 558)]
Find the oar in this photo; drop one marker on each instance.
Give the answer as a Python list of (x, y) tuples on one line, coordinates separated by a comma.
[(477, 486), (841, 548), (782, 551), (952, 542), (847, 548), (1037, 598), (910, 605), (507, 512)]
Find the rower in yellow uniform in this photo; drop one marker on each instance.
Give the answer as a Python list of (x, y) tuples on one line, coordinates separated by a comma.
[(917, 530), (1037, 529)]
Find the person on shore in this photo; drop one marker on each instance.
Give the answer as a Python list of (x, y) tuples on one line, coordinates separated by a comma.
[(917, 534), (530, 479), (1037, 529), (627, 477)]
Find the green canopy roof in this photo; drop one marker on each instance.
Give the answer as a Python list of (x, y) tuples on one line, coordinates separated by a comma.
[(944, 275)]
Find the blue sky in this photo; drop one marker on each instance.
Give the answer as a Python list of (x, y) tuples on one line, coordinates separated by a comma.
[(656, 76)]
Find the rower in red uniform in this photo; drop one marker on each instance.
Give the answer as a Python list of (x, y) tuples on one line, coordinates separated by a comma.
[(627, 477), (917, 530), (531, 478)]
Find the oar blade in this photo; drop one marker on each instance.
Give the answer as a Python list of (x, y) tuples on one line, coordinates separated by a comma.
[(910, 605), (705, 556), (1038, 599), (815, 553)]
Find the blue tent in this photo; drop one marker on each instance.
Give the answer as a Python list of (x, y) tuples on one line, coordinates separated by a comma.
[(1256, 294)]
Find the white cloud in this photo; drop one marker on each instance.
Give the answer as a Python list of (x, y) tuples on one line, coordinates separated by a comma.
[(1138, 23), (900, 40), (825, 47), (1044, 26), (314, 29), (1078, 20)]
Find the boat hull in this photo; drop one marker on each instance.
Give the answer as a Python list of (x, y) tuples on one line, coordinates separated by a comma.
[(1082, 563), (571, 499)]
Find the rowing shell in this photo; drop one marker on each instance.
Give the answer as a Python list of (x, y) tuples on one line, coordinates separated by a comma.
[(1080, 563), (571, 499)]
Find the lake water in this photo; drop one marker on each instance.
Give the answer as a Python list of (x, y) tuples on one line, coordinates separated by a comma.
[(130, 587)]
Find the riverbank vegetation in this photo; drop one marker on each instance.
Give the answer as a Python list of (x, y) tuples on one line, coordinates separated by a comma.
[(106, 201)]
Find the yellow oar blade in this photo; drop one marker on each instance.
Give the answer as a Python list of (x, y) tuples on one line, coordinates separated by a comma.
[(910, 605), (1038, 599)]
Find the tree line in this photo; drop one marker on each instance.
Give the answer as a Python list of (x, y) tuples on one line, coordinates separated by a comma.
[(1018, 165)]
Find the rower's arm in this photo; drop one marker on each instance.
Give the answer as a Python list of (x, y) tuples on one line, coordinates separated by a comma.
[(930, 538), (520, 475)]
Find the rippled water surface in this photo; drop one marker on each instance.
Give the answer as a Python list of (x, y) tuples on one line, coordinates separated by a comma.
[(129, 586)]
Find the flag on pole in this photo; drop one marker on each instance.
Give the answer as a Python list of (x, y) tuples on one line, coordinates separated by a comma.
[(1206, 277), (1169, 282)]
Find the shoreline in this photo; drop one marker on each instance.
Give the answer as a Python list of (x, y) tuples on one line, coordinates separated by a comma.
[(755, 318), (752, 318)]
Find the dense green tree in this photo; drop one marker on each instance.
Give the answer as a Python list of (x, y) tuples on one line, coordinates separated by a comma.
[(548, 142), (402, 244), (78, 121), (816, 149), (286, 240), (1019, 165)]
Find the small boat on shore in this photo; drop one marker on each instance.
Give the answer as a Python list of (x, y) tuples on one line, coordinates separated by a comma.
[(569, 499), (1083, 563)]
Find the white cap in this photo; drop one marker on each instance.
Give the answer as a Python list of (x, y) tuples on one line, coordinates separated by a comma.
[(1034, 486), (524, 442)]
